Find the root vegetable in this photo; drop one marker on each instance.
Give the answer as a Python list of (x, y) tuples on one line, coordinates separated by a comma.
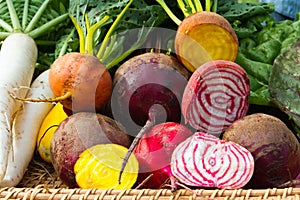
[(216, 95), (47, 129), (154, 152), (25, 128), (99, 166), (16, 69), (143, 81), (204, 160), (203, 35), (274, 147), (147, 90), (80, 81), (77, 133)]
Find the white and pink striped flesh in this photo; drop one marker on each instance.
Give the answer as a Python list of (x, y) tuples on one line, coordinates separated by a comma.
[(216, 95), (204, 160)]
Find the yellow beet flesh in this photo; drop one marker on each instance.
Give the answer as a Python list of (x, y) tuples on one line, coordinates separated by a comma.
[(99, 167), (205, 36)]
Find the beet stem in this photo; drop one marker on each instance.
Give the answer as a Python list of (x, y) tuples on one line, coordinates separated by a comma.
[(149, 124), (291, 183), (144, 181)]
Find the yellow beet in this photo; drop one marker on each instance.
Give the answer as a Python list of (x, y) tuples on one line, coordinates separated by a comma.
[(99, 167), (205, 36), (48, 127)]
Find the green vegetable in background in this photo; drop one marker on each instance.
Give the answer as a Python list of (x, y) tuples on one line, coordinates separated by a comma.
[(284, 82), (105, 28)]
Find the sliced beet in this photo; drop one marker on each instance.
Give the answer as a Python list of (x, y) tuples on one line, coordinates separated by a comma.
[(204, 160), (216, 95)]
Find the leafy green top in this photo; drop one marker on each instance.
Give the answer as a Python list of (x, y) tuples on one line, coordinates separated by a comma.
[(35, 18)]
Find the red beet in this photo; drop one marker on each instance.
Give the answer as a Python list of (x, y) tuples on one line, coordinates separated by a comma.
[(154, 152), (147, 90), (215, 96), (146, 80), (204, 160)]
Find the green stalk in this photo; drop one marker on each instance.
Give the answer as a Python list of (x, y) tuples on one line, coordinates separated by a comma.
[(44, 28), (4, 35), (87, 22), (183, 8), (111, 29), (65, 45), (14, 17), (141, 39), (169, 12), (37, 16), (113, 39), (80, 35), (25, 14), (191, 5), (5, 26), (91, 32), (198, 6), (207, 5), (215, 6)]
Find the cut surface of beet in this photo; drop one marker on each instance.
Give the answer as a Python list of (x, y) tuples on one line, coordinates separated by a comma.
[(216, 95), (204, 160)]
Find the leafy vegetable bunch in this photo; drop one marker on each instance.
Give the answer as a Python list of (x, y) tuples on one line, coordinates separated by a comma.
[(268, 51)]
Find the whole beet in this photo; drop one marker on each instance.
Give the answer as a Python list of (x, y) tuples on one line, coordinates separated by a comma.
[(154, 152), (144, 81), (77, 133), (147, 91), (275, 148)]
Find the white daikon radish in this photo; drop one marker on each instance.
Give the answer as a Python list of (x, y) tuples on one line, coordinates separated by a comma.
[(18, 57), (25, 128)]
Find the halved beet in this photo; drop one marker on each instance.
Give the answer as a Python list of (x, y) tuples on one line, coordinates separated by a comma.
[(216, 95), (204, 160)]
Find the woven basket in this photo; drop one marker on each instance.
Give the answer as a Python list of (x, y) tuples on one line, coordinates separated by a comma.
[(41, 182)]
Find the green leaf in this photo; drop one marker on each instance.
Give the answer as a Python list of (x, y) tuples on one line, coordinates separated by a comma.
[(284, 82)]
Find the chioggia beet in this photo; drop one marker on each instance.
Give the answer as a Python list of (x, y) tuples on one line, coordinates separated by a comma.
[(204, 160), (215, 96)]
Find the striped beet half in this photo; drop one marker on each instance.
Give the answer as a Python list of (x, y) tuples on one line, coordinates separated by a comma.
[(204, 160), (215, 96)]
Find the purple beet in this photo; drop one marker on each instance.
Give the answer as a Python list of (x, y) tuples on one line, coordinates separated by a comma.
[(275, 149), (147, 90)]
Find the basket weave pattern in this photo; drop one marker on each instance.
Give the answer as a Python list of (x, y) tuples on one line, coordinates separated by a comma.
[(41, 182)]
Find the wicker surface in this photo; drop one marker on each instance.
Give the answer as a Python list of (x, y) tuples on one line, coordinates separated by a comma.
[(41, 182)]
